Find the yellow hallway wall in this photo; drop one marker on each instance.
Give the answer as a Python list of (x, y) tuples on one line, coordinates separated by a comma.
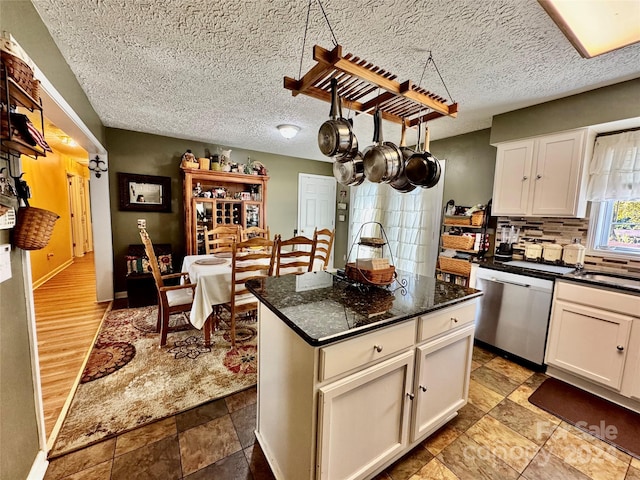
[(47, 178)]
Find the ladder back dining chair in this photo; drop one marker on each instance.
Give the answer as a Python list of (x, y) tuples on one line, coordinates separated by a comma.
[(221, 239), (294, 255), (252, 232), (171, 299), (250, 260), (324, 242)]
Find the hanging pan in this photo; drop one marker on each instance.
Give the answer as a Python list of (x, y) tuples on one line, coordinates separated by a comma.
[(423, 169), (335, 137), (349, 172), (401, 183), (382, 160)]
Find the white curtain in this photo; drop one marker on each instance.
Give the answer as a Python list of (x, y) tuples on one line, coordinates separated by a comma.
[(614, 171), (410, 221)]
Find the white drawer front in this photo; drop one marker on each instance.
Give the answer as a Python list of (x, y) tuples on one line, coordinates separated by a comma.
[(358, 351), (445, 320), (620, 302)]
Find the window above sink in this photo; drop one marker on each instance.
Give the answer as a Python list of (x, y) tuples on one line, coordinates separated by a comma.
[(614, 229)]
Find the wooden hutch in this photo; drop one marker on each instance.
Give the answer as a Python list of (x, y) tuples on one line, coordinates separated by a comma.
[(213, 198)]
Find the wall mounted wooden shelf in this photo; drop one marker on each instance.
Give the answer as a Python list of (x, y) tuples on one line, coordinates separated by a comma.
[(363, 86)]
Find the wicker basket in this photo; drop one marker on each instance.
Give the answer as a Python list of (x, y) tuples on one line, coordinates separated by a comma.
[(381, 277), (18, 70), (457, 242), (455, 265), (457, 220), (477, 218), (33, 228)]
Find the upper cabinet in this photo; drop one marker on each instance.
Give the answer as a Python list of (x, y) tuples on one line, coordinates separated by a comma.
[(543, 176)]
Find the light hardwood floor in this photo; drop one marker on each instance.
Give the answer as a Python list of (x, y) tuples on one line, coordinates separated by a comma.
[(67, 319)]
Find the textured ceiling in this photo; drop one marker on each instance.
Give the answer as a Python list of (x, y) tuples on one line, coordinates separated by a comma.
[(213, 70)]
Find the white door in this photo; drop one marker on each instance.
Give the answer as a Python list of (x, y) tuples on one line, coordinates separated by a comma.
[(442, 380), (75, 210), (589, 342), (316, 204), (363, 419)]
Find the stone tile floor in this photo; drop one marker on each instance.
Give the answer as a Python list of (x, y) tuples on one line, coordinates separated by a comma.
[(498, 435)]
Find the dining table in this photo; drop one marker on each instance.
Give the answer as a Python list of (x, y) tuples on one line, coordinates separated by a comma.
[(212, 276)]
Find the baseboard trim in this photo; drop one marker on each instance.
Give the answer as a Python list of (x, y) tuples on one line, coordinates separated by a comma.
[(39, 467), (52, 273)]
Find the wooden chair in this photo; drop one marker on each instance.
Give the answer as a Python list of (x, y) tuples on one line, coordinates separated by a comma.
[(221, 239), (294, 255), (324, 242), (253, 232), (171, 299), (250, 260)]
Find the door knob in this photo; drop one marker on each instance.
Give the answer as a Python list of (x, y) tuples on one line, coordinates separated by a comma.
[(424, 389), (411, 396)]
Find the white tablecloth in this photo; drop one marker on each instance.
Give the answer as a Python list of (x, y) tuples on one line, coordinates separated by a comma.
[(213, 286)]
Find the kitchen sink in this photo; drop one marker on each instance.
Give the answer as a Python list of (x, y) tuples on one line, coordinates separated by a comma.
[(610, 279)]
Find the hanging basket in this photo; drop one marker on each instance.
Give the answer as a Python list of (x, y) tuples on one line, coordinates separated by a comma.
[(34, 228)]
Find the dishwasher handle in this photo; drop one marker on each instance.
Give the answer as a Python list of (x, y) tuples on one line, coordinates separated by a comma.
[(494, 279)]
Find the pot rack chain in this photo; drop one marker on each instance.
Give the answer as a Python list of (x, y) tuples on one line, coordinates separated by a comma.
[(306, 29)]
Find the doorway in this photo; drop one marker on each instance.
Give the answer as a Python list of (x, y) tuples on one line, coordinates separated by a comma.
[(316, 205)]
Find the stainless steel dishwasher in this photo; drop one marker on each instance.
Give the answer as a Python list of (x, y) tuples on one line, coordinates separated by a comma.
[(513, 315)]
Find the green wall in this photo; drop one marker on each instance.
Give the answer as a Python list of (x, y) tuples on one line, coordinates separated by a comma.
[(602, 105), (133, 152), (470, 164)]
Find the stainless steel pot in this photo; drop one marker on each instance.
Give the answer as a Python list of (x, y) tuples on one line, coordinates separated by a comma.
[(383, 160), (349, 172), (423, 169), (401, 183), (335, 137)]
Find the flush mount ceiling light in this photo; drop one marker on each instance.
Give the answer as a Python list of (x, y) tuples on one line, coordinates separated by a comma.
[(595, 27), (288, 131)]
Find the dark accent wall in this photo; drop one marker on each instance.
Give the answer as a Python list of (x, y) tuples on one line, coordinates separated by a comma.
[(134, 152), (470, 165)]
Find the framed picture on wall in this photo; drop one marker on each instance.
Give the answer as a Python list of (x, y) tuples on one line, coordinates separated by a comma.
[(144, 193)]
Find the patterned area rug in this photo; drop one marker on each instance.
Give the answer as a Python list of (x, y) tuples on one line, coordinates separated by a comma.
[(129, 381)]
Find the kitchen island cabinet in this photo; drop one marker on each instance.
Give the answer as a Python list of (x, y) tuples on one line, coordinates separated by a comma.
[(543, 176), (594, 341), (351, 378)]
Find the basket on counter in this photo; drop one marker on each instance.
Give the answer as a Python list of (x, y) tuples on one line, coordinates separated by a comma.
[(457, 242), (457, 220), (380, 277), (454, 265), (477, 218), (33, 228)]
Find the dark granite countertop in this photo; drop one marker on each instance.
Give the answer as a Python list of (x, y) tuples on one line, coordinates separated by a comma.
[(322, 308), (611, 281)]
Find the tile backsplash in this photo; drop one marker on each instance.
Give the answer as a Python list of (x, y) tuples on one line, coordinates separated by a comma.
[(562, 231)]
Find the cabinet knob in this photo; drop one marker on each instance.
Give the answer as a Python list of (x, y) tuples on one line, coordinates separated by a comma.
[(525, 177), (620, 348), (377, 348), (538, 177), (411, 396), (424, 389), (455, 320)]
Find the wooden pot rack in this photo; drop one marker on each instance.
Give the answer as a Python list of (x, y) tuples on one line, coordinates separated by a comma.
[(358, 80)]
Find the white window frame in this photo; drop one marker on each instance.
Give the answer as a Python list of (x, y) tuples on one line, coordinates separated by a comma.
[(599, 220)]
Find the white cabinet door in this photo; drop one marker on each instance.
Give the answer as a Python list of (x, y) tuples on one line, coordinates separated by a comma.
[(557, 174), (589, 342), (512, 178), (442, 379), (363, 419)]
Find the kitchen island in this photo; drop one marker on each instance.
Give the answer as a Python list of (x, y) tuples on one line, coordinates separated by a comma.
[(350, 378)]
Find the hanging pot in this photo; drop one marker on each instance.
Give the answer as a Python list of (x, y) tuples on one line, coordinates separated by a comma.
[(423, 169), (335, 137), (383, 160), (349, 172), (402, 183)]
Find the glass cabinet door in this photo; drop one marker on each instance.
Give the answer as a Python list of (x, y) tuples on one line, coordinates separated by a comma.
[(204, 212), (252, 217)]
